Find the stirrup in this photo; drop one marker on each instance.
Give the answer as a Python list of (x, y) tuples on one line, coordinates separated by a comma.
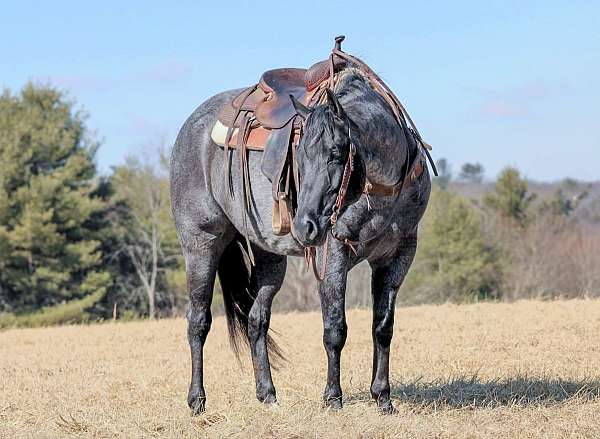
[(281, 220)]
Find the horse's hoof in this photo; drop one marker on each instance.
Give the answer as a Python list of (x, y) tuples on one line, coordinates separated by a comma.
[(334, 403), (197, 405), (388, 408), (270, 399)]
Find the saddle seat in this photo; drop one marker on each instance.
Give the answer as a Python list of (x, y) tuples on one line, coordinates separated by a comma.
[(269, 100), (277, 110)]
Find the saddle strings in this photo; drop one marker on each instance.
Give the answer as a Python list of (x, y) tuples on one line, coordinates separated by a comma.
[(245, 196)]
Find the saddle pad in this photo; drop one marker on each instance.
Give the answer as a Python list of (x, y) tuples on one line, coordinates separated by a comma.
[(257, 139)]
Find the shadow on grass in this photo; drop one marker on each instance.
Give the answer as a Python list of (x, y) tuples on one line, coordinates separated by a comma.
[(462, 392)]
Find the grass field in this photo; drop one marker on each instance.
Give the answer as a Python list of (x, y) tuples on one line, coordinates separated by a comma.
[(529, 369)]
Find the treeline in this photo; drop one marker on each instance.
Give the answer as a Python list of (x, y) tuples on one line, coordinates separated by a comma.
[(79, 246), (509, 243), (488, 241), (76, 245)]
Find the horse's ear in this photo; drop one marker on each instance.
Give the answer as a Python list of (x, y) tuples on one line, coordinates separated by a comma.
[(334, 103), (302, 110)]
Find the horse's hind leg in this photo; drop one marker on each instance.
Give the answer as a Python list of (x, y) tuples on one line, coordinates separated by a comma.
[(201, 260), (386, 281), (267, 276)]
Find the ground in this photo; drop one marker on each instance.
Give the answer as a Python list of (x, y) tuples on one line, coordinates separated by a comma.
[(528, 369)]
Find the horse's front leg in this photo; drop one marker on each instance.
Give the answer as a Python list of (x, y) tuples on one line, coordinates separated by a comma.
[(332, 292), (386, 280), (267, 277)]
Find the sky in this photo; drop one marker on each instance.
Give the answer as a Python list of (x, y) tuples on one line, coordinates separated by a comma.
[(497, 82)]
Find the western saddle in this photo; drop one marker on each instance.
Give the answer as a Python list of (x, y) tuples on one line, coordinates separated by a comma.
[(262, 118)]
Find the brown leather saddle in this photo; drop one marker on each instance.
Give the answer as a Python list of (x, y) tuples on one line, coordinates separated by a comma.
[(262, 118)]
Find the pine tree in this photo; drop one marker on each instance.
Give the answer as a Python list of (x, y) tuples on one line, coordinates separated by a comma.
[(511, 196), (454, 260), (472, 172), (48, 250)]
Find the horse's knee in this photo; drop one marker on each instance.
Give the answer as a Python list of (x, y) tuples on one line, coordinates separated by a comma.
[(383, 327), (334, 335), (199, 322), (384, 332)]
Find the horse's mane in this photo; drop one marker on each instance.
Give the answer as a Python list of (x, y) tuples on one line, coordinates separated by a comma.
[(350, 74)]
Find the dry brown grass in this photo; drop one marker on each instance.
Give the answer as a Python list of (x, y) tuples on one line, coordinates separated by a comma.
[(529, 369)]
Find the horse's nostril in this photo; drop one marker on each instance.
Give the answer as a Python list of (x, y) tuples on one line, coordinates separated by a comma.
[(311, 228)]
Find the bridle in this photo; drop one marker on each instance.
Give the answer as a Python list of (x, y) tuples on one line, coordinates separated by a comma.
[(348, 169), (311, 252)]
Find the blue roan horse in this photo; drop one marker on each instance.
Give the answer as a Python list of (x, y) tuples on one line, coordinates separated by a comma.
[(362, 188)]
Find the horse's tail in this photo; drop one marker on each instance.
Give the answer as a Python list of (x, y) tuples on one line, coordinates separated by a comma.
[(239, 292)]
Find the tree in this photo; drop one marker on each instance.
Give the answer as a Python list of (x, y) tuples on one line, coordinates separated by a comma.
[(566, 199), (511, 197), (150, 241), (472, 172), (48, 251), (454, 261), (444, 173)]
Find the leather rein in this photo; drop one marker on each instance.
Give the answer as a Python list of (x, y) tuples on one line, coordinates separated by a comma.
[(381, 190), (311, 252)]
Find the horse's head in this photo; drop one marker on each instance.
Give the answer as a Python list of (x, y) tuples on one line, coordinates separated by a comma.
[(323, 154)]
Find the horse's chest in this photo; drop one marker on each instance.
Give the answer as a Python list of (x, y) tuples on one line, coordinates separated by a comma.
[(396, 236)]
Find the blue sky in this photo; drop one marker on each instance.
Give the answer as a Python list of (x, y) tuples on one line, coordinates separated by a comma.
[(498, 82)]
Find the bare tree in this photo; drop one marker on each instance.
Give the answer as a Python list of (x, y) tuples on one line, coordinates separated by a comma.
[(472, 172), (142, 187)]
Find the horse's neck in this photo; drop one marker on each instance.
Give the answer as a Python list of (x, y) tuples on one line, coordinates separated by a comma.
[(381, 140)]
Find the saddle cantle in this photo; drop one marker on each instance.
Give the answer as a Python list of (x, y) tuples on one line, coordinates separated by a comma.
[(276, 111), (262, 118)]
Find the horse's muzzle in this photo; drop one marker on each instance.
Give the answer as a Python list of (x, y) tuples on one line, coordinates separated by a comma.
[(309, 230)]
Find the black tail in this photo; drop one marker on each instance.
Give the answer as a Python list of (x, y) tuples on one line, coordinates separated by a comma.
[(239, 292)]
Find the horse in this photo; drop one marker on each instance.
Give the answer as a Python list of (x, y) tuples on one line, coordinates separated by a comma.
[(354, 125)]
